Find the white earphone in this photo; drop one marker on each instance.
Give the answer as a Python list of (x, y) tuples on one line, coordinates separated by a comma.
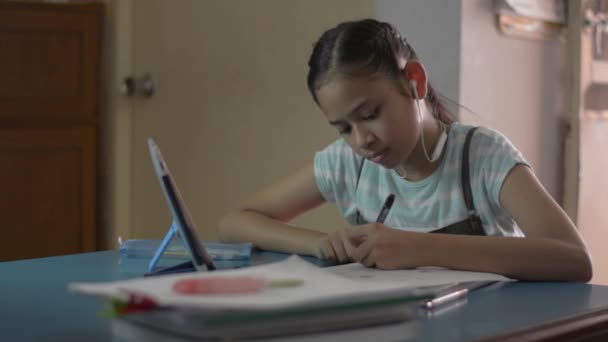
[(414, 86), (442, 138)]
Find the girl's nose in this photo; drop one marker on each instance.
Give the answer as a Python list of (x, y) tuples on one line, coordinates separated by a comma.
[(363, 137)]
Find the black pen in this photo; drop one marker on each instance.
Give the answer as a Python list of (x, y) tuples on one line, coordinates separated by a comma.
[(388, 204)]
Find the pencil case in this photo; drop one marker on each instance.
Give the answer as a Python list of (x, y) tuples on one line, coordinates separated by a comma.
[(140, 248)]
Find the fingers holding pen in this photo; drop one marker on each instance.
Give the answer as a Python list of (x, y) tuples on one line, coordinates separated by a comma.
[(358, 243), (364, 254), (334, 246), (357, 234), (338, 245), (363, 243), (363, 238)]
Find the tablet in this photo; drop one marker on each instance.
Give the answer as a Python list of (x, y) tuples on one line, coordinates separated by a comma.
[(182, 220)]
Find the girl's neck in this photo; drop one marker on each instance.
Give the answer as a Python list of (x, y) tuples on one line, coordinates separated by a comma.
[(417, 167)]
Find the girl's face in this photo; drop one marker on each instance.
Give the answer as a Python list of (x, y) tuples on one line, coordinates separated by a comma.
[(373, 116)]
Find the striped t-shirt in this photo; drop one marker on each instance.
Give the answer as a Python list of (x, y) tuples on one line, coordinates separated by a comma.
[(432, 203)]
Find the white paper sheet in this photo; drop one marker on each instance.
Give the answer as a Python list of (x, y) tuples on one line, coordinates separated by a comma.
[(422, 276)]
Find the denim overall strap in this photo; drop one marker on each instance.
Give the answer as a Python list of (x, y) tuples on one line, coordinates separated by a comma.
[(471, 225), (358, 214)]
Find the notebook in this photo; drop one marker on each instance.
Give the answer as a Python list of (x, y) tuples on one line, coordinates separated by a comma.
[(327, 299), (321, 302)]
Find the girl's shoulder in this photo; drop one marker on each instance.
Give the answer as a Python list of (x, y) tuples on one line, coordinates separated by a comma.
[(484, 137), (462, 129), (489, 149), (339, 145), (337, 159), (340, 152)]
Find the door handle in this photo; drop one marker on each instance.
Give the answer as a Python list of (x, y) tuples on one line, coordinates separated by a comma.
[(138, 86)]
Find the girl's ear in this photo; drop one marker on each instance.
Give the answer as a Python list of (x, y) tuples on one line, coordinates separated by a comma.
[(414, 70)]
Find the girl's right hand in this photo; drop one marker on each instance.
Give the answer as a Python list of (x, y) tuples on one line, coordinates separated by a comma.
[(334, 246)]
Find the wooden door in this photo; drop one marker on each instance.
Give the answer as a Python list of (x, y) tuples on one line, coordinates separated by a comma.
[(49, 128), (231, 112)]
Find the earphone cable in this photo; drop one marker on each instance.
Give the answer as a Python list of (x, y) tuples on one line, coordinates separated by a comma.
[(426, 154)]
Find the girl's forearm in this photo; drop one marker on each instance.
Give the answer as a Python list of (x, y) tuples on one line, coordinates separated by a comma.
[(267, 233), (535, 259)]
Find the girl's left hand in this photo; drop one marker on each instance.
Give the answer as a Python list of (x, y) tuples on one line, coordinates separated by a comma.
[(376, 245)]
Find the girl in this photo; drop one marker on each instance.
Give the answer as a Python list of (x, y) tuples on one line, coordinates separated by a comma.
[(463, 199)]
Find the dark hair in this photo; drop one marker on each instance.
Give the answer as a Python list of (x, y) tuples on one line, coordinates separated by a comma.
[(366, 46)]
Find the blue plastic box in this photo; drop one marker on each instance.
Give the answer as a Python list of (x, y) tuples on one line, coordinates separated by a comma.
[(218, 251)]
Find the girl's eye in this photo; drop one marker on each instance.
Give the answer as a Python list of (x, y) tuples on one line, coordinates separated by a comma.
[(344, 130), (370, 115)]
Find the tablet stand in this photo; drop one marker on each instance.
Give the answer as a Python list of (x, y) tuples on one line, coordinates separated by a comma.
[(179, 268)]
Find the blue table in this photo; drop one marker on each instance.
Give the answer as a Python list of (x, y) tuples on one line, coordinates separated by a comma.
[(35, 303)]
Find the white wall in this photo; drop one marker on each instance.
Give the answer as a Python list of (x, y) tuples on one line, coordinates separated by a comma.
[(117, 64), (512, 85), (432, 27), (515, 86)]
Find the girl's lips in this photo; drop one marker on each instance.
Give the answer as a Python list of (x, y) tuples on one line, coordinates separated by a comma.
[(379, 157)]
